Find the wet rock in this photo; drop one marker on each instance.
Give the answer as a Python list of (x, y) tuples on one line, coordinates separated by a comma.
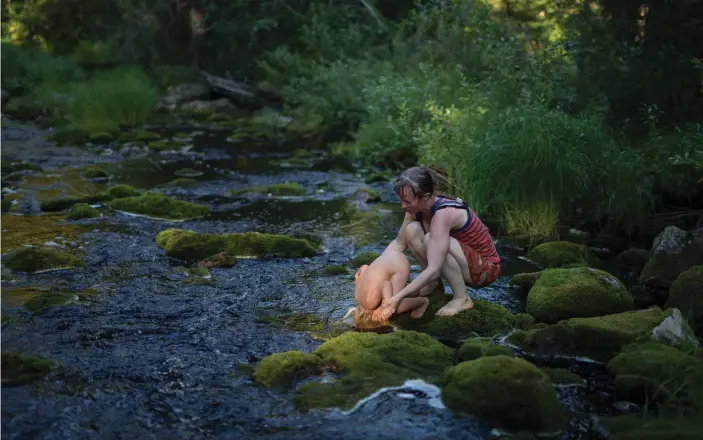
[(200, 106), (27, 204), (364, 258), (368, 362), (192, 245), (505, 391), (561, 376), (524, 321), (139, 135), (282, 369), (634, 258), (656, 372), (20, 368), (165, 145), (560, 254), (686, 294), (188, 172), (276, 189), (94, 173), (114, 192), (598, 338), (81, 211), (101, 138), (579, 292), (478, 347), (524, 281), (672, 254), (182, 93), (180, 182), (49, 300), (222, 259), (484, 319), (36, 259), (157, 205)]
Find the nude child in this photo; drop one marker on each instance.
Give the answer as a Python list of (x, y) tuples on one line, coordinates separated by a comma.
[(380, 280)]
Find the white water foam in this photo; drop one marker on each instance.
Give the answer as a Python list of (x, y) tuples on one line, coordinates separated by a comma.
[(433, 394)]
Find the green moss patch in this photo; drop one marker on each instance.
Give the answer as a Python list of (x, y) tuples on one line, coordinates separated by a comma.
[(364, 258), (599, 338), (49, 300), (20, 368), (165, 145), (39, 259), (506, 391), (157, 205), (330, 271), (180, 182), (561, 376), (524, 281), (114, 192), (477, 347), (81, 211), (484, 319), (579, 292), (686, 294), (368, 362), (560, 254), (309, 323), (18, 231), (654, 372), (276, 189), (94, 172), (281, 369), (191, 245), (635, 258)]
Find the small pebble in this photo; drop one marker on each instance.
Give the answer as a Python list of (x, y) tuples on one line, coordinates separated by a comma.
[(50, 243)]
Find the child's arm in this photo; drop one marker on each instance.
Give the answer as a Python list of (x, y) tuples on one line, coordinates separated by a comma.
[(386, 294)]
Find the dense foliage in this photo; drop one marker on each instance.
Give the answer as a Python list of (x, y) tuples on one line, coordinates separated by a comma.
[(534, 109)]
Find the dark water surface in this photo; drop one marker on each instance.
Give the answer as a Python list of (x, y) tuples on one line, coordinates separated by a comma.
[(156, 357)]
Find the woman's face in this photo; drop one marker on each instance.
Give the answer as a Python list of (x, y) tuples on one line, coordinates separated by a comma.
[(412, 204)]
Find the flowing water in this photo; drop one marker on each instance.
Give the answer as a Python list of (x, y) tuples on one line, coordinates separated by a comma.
[(154, 356)]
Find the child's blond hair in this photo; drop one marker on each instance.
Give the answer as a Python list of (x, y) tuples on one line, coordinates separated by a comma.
[(363, 318)]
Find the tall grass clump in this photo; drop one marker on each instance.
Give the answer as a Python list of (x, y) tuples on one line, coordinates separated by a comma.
[(24, 69), (122, 96), (529, 161)]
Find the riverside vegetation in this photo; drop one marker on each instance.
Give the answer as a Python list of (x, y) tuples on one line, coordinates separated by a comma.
[(173, 250)]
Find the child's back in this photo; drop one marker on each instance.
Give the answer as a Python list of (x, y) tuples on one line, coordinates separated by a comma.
[(391, 266)]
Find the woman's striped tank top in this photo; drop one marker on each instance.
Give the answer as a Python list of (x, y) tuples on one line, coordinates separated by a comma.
[(473, 233)]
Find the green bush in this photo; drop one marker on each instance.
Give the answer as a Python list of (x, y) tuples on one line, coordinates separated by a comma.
[(25, 69)]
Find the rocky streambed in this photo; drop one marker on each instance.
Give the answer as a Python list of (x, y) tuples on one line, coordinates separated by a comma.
[(190, 282)]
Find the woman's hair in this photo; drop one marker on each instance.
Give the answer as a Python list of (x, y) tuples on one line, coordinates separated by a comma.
[(419, 181)]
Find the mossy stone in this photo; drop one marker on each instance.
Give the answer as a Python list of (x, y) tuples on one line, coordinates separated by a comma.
[(164, 145), (276, 189), (180, 182), (20, 368), (653, 371), (222, 259), (69, 135), (101, 138), (663, 268), (37, 259), (114, 192), (377, 177), (81, 211), (8, 166), (49, 300), (522, 241), (139, 135), (560, 254), (121, 191), (579, 292), (192, 245), (369, 195), (94, 172), (599, 338), (364, 258), (686, 294), (329, 271), (524, 281), (281, 369), (188, 172), (503, 390), (484, 319), (370, 361), (36, 230), (479, 347), (160, 206)]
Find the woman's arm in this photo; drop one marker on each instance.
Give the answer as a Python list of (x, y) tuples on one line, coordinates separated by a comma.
[(437, 250)]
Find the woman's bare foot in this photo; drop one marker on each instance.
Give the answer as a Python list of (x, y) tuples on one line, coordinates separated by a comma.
[(418, 312), (455, 306), (430, 288)]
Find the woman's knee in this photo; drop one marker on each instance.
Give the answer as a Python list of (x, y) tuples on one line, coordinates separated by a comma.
[(414, 230)]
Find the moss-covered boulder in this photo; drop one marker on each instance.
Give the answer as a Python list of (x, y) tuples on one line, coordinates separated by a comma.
[(635, 258), (101, 137), (485, 319), (686, 294), (655, 372), (81, 211), (578, 292), (330, 271), (156, 205), (39, 259), (364, 258), (479, 347), (506, 391), (191, 245), (121, 191), (523, 282), (603, 337), (666, 265), (94, 173), (281, 369), (561, 254), (368, 362), (20, 368)]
